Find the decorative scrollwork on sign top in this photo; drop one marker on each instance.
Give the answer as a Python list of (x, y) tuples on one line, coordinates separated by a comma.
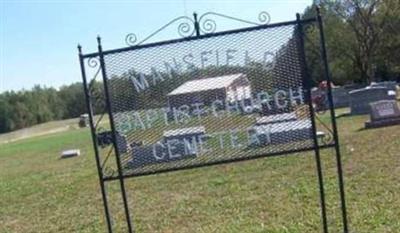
[(131, 39), (206, 25), (264, 17), (185, 29)]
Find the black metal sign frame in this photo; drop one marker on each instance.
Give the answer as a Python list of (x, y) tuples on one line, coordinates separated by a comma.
[(200, 28)]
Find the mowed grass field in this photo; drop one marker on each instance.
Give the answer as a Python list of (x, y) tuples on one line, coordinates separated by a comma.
[(41, 193)]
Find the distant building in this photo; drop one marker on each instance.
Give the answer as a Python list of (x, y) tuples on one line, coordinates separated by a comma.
[(84, 120), (227, 88)]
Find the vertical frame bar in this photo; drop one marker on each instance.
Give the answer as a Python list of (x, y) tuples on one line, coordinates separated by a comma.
[(114, 137), (333, 119), (94, 140), (196, 24), (307, 84)]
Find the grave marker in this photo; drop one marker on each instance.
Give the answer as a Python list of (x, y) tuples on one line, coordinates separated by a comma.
[(361, 98), (70, 153), (383, 113)]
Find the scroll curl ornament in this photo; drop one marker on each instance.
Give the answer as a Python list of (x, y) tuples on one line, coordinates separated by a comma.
[(185, 29), (109, 172), (131, 39), (93, 62), (327, 139), (206, 25), (264, 17)]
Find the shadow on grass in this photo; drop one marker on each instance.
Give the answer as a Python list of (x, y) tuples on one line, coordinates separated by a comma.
[(372, 128)]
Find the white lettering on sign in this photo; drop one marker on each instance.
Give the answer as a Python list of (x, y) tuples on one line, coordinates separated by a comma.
[(139, 82), (190, 146), (184, 114), (172, 149), (192, 62)]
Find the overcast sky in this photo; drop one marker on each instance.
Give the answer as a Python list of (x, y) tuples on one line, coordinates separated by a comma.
[(38, 38)]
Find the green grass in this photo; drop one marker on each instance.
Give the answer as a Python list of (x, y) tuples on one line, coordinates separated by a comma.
[(44, 129), (41, 193)]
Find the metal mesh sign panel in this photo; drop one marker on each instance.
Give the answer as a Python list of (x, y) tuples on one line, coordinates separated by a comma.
[(211, 99)]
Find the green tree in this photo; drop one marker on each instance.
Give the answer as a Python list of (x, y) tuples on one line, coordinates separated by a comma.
[(366, 21)]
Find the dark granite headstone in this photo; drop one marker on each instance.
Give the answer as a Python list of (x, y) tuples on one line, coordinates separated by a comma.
[(361, 98), (354, 86), (340, 97), (387, 84), (383, 113), (105, 138)]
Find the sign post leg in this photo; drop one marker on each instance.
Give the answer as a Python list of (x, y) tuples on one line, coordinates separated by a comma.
[(334, 125), (95, 146), (114, 138), (307, 84)]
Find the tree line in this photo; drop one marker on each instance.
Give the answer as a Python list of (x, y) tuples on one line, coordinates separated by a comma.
[(20, 109), (362, 40)]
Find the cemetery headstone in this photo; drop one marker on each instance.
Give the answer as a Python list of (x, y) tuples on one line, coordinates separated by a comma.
[(70, 153), (352, 87), (341, 97), (383, 113), (387, 84), (106, 138), (361, 98), (281, 132)]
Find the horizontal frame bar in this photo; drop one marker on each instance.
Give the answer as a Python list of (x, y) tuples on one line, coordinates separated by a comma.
[(193, 38), (258, 156)]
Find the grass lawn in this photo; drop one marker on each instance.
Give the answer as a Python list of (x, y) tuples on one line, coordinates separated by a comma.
[(41, 193)]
